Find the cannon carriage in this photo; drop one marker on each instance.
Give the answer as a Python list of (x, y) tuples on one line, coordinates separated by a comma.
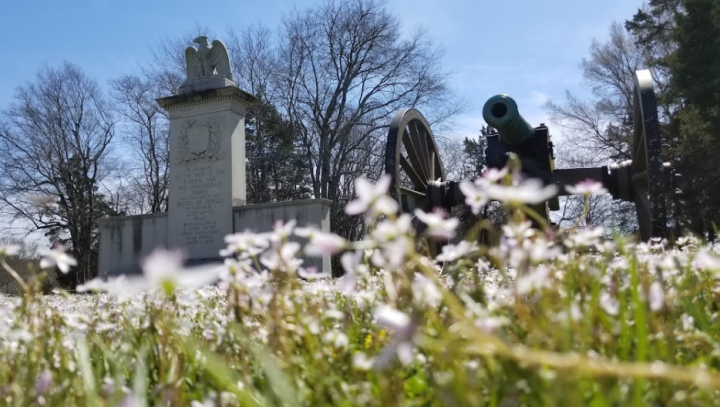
[(418, 178)]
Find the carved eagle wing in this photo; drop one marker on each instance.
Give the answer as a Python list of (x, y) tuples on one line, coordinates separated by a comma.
[(219, 57), (193, 64)]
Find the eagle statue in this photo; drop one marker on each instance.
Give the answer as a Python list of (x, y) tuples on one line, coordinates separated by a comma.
[(207, 60)]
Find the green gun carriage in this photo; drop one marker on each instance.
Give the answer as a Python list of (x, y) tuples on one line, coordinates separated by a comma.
[(418, 178)]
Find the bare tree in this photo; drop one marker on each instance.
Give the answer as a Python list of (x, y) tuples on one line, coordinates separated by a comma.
[(598, 131), (336, 73), (344, 69), (602, 126), (166, 68), (54, 149), (146, 132), (254, 59)]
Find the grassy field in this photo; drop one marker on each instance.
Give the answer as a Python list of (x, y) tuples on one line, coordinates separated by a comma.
[(570, 319)]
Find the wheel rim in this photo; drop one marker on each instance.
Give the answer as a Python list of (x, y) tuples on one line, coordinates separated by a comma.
[(412, 160), (647, 166)]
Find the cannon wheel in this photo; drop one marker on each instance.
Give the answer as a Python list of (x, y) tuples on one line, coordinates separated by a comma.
[(648, 176), (412, 160)]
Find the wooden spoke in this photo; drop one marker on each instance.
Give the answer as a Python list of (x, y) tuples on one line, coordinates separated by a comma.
[(432, 165), (411, 192), (416, 179), (420, 148), (414, 155), (423, 137)]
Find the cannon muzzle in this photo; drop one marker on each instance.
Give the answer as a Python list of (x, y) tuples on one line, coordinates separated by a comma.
[(501, 113)]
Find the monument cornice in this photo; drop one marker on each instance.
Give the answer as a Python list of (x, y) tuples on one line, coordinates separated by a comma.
[(206, 96)]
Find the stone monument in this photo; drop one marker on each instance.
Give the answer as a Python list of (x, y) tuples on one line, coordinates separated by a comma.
[(206, 199), (207, 151)]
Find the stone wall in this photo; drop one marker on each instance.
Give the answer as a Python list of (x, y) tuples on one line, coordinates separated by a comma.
[(124, 240), (261, 218)]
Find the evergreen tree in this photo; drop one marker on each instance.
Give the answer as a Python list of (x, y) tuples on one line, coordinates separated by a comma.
[(473, 166), (689, 30), (695, 67), (276, 171)]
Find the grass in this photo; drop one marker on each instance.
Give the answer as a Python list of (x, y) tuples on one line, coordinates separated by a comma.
[(574, 320)]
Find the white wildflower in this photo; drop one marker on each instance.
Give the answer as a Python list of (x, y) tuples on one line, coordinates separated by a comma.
[(351, 264), (609, 303), (492, 175), (163, 266), (246, 244), (9, 250), (392, 255), (705, 261), (584, 238), (575, 311), (362, 362), (131, 400), (162, 263), (43, 382), (656, 296), (323, 243), (540, 250), (337, 339), (207, 402), (587, 187), (388, 230), (474, 196), (518, 231), (530, 191), (96, 284), (392, 319), (363, 298), (438, 226), (312, 274), (57, 258), (482, 265), (334, 314), (283, 258), (451, 252), (282, 231), (490, 325), (425, 291), (537, 279), (688, 322), (372, 199)]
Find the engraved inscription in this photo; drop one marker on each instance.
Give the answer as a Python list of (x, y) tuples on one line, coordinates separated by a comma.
[(198, 202)]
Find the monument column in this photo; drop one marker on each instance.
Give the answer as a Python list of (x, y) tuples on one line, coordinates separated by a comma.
[(207, 153)]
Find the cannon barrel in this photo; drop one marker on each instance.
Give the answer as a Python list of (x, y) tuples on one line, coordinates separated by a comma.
[(501, 113)]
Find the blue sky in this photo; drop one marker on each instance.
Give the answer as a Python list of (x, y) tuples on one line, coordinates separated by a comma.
[(528, 49)]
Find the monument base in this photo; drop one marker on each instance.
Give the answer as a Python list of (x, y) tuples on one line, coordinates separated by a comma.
[(203, 84), (125, 240)]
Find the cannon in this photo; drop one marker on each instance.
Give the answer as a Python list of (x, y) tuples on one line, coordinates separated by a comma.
[(418, 179)]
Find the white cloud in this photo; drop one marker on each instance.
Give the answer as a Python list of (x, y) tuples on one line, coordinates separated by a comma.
[(538, 97)]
